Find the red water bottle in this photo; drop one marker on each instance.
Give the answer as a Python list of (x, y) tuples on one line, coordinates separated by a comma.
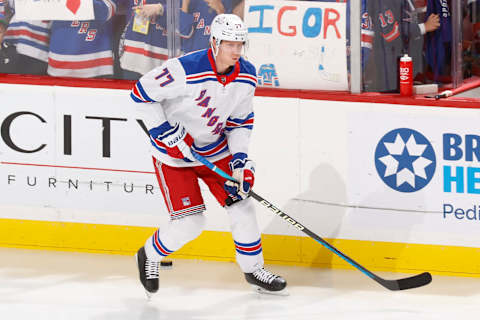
[(406, 75)]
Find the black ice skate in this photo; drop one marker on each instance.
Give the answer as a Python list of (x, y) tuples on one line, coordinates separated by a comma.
[(148, 271), (263, 281)]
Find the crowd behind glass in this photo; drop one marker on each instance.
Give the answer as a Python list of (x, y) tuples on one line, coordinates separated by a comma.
[(127, 38)]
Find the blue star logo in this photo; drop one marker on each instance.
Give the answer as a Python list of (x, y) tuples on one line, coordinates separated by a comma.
[(405, 160)]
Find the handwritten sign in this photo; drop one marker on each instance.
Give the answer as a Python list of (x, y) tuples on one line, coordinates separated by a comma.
[(54, 10), (298, 44)]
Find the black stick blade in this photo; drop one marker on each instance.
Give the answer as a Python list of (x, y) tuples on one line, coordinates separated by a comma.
[(407, 283)]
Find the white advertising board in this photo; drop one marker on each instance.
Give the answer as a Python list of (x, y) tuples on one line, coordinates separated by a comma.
[(70, 150), (54, 10), (376, 172), (362, 171), (417, 173), (298, 44)]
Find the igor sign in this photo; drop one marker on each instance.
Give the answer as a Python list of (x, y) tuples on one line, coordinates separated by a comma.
[(311, 23), (298, 44)]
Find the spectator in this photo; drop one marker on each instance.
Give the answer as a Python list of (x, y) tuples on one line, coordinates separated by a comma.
[(439, 43), (84, 49), (30, 40), (202, 12), (471, 39), (3, 20), (5, 50), (144, 42), (393, 29), (415, 41), (238, 8)]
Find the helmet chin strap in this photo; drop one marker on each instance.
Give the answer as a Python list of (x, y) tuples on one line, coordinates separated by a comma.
[(245, 47), (217, 44)]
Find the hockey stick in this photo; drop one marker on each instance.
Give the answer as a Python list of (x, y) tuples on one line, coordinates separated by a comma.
[(400, 284)]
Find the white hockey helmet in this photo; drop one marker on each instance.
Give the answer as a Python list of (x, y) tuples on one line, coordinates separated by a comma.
[(228, 27)]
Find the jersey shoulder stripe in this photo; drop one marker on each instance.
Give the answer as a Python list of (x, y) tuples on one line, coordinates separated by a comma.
[(246, 78), (201, 77), (202, 80)]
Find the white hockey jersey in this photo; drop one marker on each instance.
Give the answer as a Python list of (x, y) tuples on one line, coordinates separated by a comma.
[(216, 110)]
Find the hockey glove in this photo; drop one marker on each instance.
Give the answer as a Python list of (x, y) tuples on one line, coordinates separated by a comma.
[(243, 170), (175, 141)]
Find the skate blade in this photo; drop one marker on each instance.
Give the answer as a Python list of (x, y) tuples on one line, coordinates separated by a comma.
[(260, 290), (149, 295)]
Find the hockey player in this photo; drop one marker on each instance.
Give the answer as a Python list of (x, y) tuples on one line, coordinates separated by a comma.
[(202, 101)]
